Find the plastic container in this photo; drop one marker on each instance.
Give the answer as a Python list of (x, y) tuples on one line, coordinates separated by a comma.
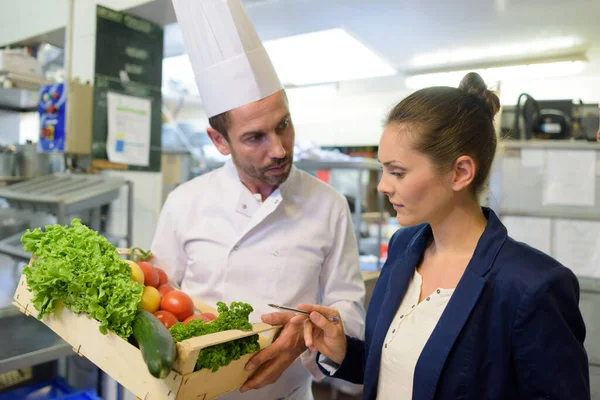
[(56, 389), (87, 395)]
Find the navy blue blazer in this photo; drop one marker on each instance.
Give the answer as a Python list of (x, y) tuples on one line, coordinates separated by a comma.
[(511, 330)]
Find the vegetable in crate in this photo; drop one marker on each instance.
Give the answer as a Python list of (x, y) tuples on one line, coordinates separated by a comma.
[(155, 343), (78, 266), (233, 317)]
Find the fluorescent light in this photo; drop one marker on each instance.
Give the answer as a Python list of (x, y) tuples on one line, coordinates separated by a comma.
[(529, 48), (325, 56), (498, 74), (309, 59)]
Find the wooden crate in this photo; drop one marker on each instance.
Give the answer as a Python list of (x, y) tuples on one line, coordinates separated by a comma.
[(124, 363)]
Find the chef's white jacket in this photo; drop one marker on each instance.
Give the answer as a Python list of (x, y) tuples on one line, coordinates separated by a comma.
[(221, 243)]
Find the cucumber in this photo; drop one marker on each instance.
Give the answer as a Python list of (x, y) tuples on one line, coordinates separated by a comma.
[(155, 343)]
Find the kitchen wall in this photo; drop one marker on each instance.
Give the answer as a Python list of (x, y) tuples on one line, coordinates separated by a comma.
[(352, 113)]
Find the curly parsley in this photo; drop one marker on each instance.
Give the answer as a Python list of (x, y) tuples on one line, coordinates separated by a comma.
[(215, 357)]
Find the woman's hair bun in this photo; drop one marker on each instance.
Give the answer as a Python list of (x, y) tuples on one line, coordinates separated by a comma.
[(474, 85)]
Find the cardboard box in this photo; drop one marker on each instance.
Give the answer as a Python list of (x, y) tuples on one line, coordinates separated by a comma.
[(124, 363), (19, 62), (78, 137)]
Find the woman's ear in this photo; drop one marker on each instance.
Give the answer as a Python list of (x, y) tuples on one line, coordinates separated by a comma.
[(464, 173)]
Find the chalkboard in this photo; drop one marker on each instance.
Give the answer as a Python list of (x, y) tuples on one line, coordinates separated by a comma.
[(129, 54)]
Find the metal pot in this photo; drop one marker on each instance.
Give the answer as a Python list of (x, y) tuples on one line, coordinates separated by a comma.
[(10, 161), (34, 164)]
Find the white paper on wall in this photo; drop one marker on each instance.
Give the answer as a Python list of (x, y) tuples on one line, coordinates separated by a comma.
[(577, 246), (570, 178)]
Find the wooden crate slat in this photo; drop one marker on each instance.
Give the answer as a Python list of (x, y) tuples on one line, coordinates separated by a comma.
[(124, 362)]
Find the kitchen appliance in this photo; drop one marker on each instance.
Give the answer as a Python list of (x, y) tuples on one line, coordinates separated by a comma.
[(543, 119)]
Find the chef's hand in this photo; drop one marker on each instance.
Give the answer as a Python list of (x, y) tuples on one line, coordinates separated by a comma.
[(322, 334), (270, 362)]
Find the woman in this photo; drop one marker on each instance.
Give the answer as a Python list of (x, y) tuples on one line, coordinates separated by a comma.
[(460, 310)]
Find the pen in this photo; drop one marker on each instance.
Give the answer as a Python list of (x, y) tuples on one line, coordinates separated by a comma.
[(331, 319)]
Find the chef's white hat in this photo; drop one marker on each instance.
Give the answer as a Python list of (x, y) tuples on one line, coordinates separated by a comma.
[(229, 61)]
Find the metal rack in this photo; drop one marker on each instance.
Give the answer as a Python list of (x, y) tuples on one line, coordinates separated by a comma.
[(63, 195), (362, 165), (31, 343)]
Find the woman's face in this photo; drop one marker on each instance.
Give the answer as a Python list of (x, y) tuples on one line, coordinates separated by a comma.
[(418, 192)]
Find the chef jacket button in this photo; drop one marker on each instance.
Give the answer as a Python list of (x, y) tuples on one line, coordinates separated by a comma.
[(394, 331), (402, 316), (413, 306), (244, 206), (275, 253), (428, 299), (438, 291), (386, 345)]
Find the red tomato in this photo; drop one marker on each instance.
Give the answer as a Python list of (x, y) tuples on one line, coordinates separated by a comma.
[(179, 303), (150, 273), (196, 316), (167, 318), (210, 316), (164, 289), (162, 276)]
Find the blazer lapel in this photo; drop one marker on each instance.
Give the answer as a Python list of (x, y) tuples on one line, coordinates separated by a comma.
[(398, 280), (431, 361)]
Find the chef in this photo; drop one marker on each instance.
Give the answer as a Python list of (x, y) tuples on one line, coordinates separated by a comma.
[(257, 230)]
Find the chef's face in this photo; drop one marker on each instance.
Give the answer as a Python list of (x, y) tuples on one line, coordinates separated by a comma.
[(261, 140), (417, 191)]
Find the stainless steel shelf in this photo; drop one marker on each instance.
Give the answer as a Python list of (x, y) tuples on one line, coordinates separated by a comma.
[(355, 163), (589, 284), (550, 144), (63, 193), (25, 342), (11, 246), (578, 213)]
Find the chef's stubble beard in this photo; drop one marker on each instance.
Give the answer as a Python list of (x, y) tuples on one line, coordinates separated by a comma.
[(261, 174)]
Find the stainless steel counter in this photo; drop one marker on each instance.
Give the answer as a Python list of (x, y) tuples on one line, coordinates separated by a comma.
[(24, 342)]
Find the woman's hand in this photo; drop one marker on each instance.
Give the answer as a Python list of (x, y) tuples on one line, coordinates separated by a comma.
[(322, 334)]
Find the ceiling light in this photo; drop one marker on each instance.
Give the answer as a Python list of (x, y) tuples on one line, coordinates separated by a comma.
[(493, 75), (309, 59), (530, 48), (325, 56)]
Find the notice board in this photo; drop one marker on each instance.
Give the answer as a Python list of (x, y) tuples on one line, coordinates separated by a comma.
[(129, 54)]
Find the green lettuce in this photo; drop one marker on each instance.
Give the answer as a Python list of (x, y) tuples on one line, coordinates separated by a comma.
[(78, 267), (220, 355)]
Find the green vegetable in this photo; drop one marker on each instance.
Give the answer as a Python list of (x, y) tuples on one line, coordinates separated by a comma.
[(142, 256), (80, 267), (155, 343), (214, 357)]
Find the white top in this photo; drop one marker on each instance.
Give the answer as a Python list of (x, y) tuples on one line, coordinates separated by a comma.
[(298, 246), (230, 63), (407, 335)]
